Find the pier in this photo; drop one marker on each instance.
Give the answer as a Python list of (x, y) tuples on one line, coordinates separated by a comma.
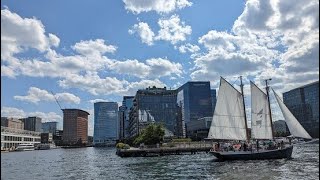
[(162, 151)]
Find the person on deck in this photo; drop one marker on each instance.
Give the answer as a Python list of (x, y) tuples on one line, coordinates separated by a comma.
[(257, 145)]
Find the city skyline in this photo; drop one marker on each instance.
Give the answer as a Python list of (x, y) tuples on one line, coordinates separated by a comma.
[(107, 50)]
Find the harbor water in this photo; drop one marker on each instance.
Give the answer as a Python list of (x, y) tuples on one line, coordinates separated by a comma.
[(103, 163)]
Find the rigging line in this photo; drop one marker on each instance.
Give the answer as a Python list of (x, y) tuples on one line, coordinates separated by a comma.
[(235, 81)]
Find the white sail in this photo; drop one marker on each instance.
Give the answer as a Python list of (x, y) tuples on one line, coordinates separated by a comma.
[(228, 120), (260, 116), (294, 126)]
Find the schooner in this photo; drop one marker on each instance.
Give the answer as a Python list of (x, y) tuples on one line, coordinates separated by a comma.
[(230, 123)]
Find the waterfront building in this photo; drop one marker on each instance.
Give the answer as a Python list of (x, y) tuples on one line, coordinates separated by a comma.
[(127, 104), (105, 123), (152, 105), (213, 98), (12, 123), (280, 128), (199, 129), (195, 101), (121, 122), (303, 102), (75, 126), (49, 127), (32, 124), (11, 137)]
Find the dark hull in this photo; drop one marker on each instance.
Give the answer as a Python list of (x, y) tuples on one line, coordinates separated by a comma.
[(248, 155)]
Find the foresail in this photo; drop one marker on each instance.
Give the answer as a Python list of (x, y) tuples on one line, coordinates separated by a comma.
[(294, 126), (228, 120), (260, 116)]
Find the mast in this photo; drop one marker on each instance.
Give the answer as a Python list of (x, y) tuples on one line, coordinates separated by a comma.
[(244, 109), (267, 89)]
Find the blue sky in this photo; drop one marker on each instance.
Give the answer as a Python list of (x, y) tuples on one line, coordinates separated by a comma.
[(85, 51)]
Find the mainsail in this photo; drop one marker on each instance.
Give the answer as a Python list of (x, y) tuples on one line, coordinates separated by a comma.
[(294, 126), (260, 118), (228, 120)]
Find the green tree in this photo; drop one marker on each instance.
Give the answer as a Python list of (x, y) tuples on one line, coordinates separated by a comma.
[(151, 135)]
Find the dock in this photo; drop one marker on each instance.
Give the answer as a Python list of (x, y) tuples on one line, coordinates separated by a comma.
[(162, 151)]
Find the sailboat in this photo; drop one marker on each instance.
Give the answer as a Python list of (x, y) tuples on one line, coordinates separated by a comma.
[(230, 122)]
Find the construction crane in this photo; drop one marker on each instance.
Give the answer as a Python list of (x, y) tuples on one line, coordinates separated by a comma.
[(56, 99)]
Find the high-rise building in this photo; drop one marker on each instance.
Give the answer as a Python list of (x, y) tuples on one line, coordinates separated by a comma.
[(49, 127), (75, 126), (32, 124), (127, 104), (105, 123), (12, 123), (194, 100), (153, 105), (213, 98), (303, 102), (121, 122), (280, 128)]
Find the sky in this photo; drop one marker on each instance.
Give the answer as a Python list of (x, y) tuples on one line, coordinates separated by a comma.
[(89, 51)]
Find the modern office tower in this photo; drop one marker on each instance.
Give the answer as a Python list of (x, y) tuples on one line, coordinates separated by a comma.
[(75, 126), (105, 123), (194, 100), (12, 123), (49, 127), (32, 124), (127, 104), (121, 122), (213, 98), (280, 128), (303, 102), (153, 105), (199, 129)]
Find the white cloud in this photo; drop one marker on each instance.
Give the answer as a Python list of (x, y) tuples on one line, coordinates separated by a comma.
[(93, 47), (144, 31), (132, 67), (36, 95), (173, 30), (162, 67), (19, 34), (98, 100), (160, 6), (12, 112), (153, 68), (189, 47), (92, 83), (270, 39), (19, 113), (54, 40)]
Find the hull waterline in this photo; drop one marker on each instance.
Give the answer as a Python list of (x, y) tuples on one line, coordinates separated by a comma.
[(256, 155)]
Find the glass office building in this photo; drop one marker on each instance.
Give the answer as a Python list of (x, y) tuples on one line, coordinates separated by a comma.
[(105, 123), (214, 99), (49, 127), (194, 99), (153, 105), (303, 102)]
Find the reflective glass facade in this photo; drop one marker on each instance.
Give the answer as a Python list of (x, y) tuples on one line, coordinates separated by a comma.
[(303, 102), (153, 105), (105, 122), (196, 100), (214, 99)]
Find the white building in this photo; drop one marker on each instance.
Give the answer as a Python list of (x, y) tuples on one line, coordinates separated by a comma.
[(11, 138)]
